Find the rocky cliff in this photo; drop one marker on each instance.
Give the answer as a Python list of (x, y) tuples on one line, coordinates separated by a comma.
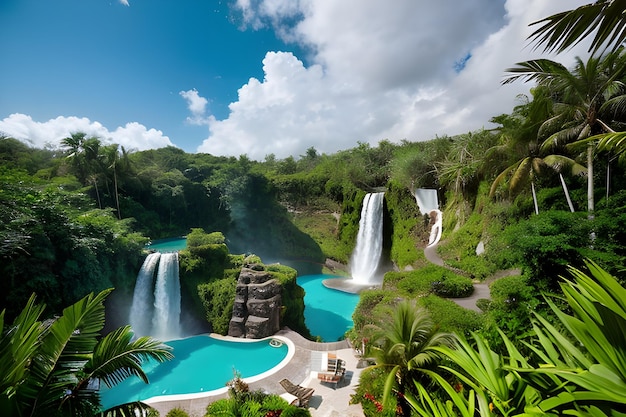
[(256, 312)]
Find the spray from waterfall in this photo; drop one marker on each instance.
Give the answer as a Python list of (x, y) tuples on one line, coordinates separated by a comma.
[(369, 242), (166, 319), (143, 297)]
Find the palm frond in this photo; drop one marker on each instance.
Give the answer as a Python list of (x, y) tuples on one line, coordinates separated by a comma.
[(128, 410), (612, 142), (64, 350), (562, 31), (539, 70), (18, 345), (561, 162), (117, 357)]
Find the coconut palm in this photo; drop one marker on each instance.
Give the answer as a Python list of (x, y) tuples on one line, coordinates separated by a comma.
[(519, 136), (604, 19), (49, 367), (587, 101), (404, 347)]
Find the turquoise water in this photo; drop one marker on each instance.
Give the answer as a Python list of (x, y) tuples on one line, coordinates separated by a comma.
[(201, 363), (327, 312), (168, 245)]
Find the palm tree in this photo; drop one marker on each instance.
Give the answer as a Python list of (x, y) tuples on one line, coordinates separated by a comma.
[(586, 100), (404, 347), (519, 135), (605, 19), (112, 159), (49, 367)]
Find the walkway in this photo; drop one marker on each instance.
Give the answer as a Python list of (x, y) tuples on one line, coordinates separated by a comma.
[(326, 401)]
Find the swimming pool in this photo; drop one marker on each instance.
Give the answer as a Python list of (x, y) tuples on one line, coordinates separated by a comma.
[(327, 312), (202, 366), (168, 245)]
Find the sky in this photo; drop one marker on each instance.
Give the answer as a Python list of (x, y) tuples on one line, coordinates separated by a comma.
[(261, 77)]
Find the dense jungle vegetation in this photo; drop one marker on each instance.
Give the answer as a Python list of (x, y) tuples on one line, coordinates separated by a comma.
[(544, 193)]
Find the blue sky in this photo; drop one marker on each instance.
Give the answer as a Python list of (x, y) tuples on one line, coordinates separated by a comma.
[(259, 76)]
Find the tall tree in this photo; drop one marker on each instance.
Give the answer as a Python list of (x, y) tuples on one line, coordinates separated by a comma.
[(586, 100), (520, 146)]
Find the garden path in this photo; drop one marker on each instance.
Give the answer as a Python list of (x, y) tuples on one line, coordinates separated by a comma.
[(481, 289)]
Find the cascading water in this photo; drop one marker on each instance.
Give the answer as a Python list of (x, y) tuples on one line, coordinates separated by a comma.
[(166, 320), (428, 203), (155, 310), (369, 241), (143, 297)]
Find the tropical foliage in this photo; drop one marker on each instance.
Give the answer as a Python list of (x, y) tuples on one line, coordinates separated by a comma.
[(576, 367), (53, 367), (404, 347)]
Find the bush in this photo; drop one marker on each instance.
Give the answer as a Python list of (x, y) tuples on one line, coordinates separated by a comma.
[(453, 286), (218, 299), (177, 412), (413, 283), (451, 317)]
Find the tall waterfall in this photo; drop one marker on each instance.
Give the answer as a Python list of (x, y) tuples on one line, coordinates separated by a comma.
[(143, 297), (155, 310), (166, 319), (369, 241)]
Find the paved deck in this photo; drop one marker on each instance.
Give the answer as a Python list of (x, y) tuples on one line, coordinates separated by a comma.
[(326, 401)]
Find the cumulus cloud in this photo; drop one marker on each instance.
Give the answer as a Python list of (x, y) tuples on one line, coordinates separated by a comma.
[(125, 2), (196, 105), (378, 72), (40, 134)]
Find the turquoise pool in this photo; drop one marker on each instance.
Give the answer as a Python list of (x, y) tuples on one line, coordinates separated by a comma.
[(201, 364), (168, 245), (327, 312)]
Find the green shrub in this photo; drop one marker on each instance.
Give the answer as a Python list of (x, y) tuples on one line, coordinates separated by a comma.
[(177, 412), (198, 237), (372, 305), (453, 286), (415, 285), (451, 317), (218, 298)]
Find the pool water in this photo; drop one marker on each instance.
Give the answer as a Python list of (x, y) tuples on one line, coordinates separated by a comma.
[(168, 245), (201, 363), (327, 312)]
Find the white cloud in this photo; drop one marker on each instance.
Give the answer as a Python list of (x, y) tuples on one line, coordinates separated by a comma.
[(125, 2), (196, 105), (39, 134), (379, 72)]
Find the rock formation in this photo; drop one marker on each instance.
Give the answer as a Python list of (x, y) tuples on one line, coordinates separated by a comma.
[(256, 312)]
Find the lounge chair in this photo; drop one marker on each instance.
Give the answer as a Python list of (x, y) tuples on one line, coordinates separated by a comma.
[(336, 370), (303, 394)]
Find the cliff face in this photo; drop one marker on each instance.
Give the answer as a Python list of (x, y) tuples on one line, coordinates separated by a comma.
[(256, 311)]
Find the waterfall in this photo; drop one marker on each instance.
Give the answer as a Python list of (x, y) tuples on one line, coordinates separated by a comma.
[(427, 200), (428, 203), (143, 297), (369, 241), (166, 319), (155, 310)]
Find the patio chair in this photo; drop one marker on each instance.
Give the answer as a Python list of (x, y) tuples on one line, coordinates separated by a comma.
[(303, 394)]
